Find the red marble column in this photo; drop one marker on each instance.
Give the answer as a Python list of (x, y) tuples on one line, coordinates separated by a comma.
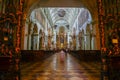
[(18, 40), (104, 66)]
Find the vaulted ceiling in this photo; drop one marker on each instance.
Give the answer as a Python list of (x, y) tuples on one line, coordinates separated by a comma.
[(57, 16), (64, 16), (90, 5)]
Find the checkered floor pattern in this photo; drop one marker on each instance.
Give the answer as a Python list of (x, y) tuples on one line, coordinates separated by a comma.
[(57, 68)]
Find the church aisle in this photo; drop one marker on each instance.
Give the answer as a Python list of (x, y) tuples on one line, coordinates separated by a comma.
[(59, 67)]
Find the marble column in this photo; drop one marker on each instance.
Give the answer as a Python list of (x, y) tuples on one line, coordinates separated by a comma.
[(68, 41), (83, 42), (55, 39), (93, 41), (88, 40), (25, 37), (37, 42), (77, 42), (29, 42), (49, 42), (74, 42), (46, 42), (43, 41)]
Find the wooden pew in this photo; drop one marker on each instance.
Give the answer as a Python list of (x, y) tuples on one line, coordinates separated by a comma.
[(5, 63), (34, 55), (87, 55), (6, 68), (114, 67)]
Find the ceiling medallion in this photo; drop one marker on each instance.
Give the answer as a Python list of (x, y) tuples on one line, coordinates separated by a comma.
[(61, 13)]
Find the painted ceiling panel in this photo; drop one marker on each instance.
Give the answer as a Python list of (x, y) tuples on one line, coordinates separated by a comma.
[(66, 14)]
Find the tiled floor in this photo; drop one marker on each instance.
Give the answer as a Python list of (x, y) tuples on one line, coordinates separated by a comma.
[(60, 68)]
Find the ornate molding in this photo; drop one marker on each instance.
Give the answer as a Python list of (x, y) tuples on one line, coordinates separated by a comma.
[(8, 17)]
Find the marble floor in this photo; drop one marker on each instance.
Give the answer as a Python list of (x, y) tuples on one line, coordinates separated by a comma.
[(60, 67)]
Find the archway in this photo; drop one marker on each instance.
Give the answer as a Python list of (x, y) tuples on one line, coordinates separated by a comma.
[(16, 19), (78, 22)]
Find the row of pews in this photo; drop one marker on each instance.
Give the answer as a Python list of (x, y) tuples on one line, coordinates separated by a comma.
[(10, 66), (87, 55), (5, 63), (110, 65), (35, 55), (113, 67), (110, 68)]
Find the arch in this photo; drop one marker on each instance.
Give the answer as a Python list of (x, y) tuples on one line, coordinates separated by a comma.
[(83, 26), (30, 27), (61, 29), (58, 28)]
